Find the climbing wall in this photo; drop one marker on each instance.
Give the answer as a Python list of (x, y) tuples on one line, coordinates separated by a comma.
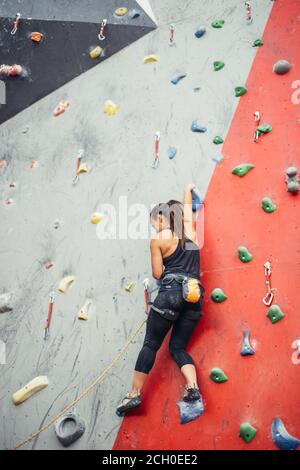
[(46, 231)]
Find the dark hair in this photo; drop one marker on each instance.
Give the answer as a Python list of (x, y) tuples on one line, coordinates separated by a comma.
[(173, 212)]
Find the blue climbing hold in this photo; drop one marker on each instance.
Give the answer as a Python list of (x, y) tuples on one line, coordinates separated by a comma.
[(197, 200), (282, 438), (200, 32), (218, 159), (133, 14), (189, 411), (197, 88), (196, 128), (247, 349), (172, 152), (176, 79)]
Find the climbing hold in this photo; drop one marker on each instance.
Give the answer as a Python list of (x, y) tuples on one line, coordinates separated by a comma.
[(217, 375), (247, 432), (196, 88), (65, 283), (61, 108), (268, 205), (196, 128), (281, 67), (69, 428), (171, 35), (218, 65), (292, 180), (5, 302), (96, 218), (247, 349), (218, 159), (129, 286), (83, 313), (36, 37), (121, 11), (244, 255), (218, 140), (133, 14), (82, 169), (30, 389), (3, 164), (197, 200), (200, 32), (150, 58), (218, 23), (189, 411), (264, 129), (282, 438), (249, 18), (11, 70), (96, 52), (240, 90), (49, 265), (242, 169), (176, 79), (275, 314), (258, 43), (218, 295), (111, 108), (172, 151)]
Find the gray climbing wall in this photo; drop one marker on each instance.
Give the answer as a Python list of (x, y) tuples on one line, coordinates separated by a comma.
[(118, 151)]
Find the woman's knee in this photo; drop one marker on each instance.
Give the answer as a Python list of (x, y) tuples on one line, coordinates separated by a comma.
[(180, 356)]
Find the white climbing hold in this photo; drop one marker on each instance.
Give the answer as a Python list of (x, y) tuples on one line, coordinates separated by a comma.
[(150, 58), (96, 218), (65, 284), (83, 313), (30, 389)]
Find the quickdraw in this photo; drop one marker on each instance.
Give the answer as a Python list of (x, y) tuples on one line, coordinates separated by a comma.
[(257, 122), (171, 35), (16, 24), (101, 36), (248, 12), (156, 159), (268, 299), (146, 295), (79, 158), (48, 321)]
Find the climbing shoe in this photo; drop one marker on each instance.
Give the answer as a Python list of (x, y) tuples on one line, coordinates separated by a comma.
[(128, 403), (191, 394)]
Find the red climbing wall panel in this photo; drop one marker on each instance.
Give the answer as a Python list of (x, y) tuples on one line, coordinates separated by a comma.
[(266, 385)]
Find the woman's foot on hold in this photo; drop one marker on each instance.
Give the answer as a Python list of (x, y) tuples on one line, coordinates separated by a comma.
[(191, 394), (128, 403)]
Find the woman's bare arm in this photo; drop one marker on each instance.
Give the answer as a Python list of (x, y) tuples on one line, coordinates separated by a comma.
[(156, 258), (189, 222)]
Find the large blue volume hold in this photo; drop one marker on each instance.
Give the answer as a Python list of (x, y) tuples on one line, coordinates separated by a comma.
[(282, 438)]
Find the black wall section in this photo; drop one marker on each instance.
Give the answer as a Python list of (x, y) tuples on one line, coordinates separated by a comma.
[(60, 57)]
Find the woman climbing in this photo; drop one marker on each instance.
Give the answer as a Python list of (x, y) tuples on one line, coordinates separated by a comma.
[(176, 263)]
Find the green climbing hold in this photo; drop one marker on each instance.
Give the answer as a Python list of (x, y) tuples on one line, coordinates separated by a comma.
[(258, 43), (218, 140), (218, 65), (244, 254), (218, 23), (240, 90), (218, 376), (264, 129), (242, 169), (247, 432), (268, 205), (275, 314), (218, 295)]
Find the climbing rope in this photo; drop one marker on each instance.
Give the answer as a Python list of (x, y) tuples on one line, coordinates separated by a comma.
[(86, 391)]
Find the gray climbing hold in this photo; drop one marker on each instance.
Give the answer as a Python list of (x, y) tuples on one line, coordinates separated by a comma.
[(196, 88), (292, 180), (218, 159), (282, 438), (281, 67), (190, 411), (247, 349), (69, 428), (172, 151), (6, 302), (133, 14), (176, 79), (200, 32), (196, 128)]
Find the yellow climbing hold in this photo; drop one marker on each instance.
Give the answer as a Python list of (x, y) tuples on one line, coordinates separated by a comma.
[(30, 389), (96, 218), (82, 169), (95, 53), (65, 284), (111, 108), (83, 312), (121, 11), (150, 58), (129, 286)]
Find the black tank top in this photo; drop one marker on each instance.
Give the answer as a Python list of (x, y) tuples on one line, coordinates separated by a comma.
[(184, 260)]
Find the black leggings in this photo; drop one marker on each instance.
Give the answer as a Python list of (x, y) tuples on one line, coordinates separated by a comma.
[(158, 327)]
